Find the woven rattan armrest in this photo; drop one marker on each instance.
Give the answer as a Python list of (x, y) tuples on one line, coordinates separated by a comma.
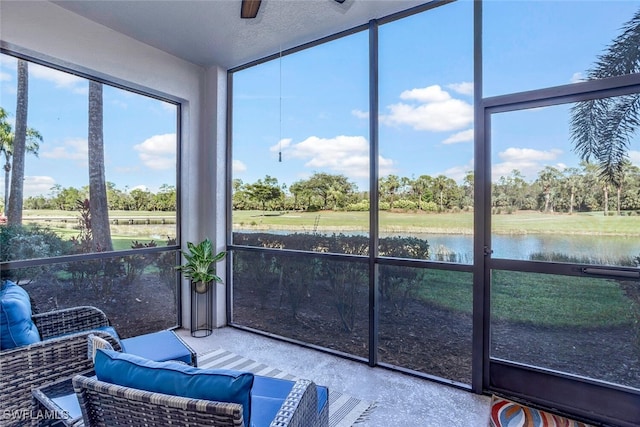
[(104, 405), (24, 368), (69, 320), (300, 408)]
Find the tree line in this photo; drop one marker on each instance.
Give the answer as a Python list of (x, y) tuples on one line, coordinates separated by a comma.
[(581, 189), (67, 198)]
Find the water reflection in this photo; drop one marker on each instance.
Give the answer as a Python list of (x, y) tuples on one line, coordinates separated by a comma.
[(599, 249)]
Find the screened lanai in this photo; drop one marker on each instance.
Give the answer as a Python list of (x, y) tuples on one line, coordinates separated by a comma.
[(443, 190)]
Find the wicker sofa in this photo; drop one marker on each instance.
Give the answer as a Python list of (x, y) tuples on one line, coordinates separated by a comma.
[(105, 404), (61, 353), (131, 390)]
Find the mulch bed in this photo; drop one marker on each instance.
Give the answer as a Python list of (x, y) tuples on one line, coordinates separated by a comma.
[(421, 337)]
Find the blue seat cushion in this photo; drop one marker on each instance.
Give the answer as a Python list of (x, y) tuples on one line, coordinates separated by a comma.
[(177, 379), (271, 387), (268, 394), (323, 397), (159, 346), (16, 326), (264, 410)]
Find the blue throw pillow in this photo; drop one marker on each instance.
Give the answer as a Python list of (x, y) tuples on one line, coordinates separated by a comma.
[(175, 379), (16, 327)]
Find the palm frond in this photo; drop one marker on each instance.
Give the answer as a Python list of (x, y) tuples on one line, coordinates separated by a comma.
[(616, 132), (601, 129), (622, 56), (586, 123)]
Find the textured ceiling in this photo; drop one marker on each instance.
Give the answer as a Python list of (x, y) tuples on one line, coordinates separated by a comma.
[(211, 32)]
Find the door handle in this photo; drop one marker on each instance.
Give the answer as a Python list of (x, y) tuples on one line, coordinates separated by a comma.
[(611, 272)]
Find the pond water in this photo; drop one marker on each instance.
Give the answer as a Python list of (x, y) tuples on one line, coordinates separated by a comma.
[(600, 249), (609, 249)]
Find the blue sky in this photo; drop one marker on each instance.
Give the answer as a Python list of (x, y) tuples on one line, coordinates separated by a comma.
[(139, 132), (426, 86), (313, 106)]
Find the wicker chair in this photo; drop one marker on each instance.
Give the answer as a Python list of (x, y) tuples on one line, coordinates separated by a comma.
[(104, 405), (61, 353)]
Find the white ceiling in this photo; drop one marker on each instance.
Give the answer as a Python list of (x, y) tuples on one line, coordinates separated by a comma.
[(211, 32)]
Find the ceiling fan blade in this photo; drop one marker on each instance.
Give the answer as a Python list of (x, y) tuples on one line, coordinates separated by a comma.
[(249, 8)]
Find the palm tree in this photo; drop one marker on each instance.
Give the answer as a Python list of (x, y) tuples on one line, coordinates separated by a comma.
[(34, 138), (98, 205), (389, 186), (548, 178), (14, 211), (602, 128)]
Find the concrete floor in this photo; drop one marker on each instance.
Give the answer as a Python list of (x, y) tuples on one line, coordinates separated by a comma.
[(401, 400)]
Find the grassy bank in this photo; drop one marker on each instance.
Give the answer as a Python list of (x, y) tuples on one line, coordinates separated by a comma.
[(535, 299), (523, 222)]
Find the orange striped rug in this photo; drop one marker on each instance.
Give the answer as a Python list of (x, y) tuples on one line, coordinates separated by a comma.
[(505, 413)]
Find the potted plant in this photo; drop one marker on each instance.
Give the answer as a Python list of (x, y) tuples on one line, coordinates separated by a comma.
[(200, 267)]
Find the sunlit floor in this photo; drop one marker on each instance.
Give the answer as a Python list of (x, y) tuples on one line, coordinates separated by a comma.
[(401, 400)]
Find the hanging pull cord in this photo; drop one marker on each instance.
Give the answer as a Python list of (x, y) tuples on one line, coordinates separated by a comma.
[(280, 108)]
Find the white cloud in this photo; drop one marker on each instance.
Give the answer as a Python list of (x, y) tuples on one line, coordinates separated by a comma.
[(458, 173), (5, 77), (71, 149), (158, 152), (61, 79), (238, 167), (37, 185), (426, 94), (526, 160), (431, 109), (140, 187), (385, 166), (283, 143), (348, 155), (464, 136), (464, 88), (577, 77), (360, 114), (520, 154), (634, 157), (126, 169)]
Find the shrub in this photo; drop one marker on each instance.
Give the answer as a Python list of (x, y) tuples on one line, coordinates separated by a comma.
[(361, 206), (18, 242), (405, 204), (429, 206), (134, 265)]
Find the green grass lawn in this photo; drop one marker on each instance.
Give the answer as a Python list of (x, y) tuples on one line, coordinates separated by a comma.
[(458, 223), (536, 299), (402, 222)]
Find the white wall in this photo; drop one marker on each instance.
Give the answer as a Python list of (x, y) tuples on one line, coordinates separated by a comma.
[(47, 32)]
